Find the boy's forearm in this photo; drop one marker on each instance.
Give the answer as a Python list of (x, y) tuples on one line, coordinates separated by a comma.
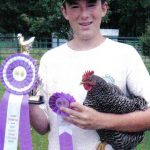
[(130, 122), (38, 119)]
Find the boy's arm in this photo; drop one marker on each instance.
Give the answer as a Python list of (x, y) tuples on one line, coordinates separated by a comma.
[(39, 119), (87, 118)]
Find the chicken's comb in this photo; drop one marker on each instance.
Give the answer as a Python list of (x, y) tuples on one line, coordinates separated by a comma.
[(87, 74)]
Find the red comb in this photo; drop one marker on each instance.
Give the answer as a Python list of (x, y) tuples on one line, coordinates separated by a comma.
[(87, 74)]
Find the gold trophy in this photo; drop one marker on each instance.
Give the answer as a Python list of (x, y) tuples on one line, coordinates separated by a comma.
[(25, 48)]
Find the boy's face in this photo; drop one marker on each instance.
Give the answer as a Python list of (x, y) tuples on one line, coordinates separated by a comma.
[(84, 16)]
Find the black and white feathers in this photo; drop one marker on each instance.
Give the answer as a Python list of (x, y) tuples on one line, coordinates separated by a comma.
[(108, 98)]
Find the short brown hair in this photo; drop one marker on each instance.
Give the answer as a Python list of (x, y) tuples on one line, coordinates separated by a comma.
[(72, 1)]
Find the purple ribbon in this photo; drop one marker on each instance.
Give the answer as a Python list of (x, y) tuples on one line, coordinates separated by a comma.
[(24, 127), (18, 87), (3, 114), (65, 141), (24, 130), (56, 101)]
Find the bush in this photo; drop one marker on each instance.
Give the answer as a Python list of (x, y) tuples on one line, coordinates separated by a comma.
[(145, 40)]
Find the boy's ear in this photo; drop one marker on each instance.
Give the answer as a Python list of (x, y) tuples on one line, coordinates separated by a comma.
[(104, 8), (64, 12)]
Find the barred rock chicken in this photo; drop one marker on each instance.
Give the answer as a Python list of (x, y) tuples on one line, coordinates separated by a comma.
[(108, 98)]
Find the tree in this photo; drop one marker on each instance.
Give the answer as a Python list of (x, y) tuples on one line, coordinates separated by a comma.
[(145, 40), (43, 17), (129, 16), (31, 17)]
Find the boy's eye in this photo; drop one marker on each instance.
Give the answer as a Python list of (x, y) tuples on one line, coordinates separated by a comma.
[(74, 6), (91, 4)]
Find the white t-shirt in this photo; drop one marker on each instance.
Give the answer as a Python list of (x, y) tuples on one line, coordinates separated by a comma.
[(61, 70)]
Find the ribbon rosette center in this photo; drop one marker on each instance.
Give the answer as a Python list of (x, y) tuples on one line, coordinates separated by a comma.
[(58, 100), (19, 73), (61, 102)]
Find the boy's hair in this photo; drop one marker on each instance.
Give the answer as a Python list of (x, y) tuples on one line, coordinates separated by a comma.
[(72, 1)]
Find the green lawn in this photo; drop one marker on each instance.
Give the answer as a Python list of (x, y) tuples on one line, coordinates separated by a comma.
[(145, 144), (40, 142), (1, 90)]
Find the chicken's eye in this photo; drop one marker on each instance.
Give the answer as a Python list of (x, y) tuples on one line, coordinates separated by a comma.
[(90, 79)]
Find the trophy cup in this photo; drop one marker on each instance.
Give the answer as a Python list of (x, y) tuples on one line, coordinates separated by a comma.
[(26, 47)]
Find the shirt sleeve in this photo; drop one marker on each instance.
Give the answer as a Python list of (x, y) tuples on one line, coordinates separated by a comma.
[(138, 79), (42, 73), (42, 89)]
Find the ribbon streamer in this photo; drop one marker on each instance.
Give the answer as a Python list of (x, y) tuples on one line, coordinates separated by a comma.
[(3, 114), (24, 130), (12, 122), (56, 101), (65, 134), (18, 74)]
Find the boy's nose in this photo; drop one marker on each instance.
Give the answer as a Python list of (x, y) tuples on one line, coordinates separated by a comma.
[(84, 13)]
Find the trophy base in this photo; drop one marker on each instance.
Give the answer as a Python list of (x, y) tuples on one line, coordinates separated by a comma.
[(36, 100)]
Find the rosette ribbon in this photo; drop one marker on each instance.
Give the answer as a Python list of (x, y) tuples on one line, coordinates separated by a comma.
[(18, 74), (56, 101)]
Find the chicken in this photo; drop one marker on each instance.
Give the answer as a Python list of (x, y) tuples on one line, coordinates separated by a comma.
[(108, 98)]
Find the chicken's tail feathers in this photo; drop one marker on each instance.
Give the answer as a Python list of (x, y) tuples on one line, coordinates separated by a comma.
[(141, 103)]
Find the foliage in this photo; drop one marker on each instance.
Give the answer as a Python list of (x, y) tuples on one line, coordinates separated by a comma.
[(129, 16), (30, 17), (145, 40), (43, 17), (38, 18)]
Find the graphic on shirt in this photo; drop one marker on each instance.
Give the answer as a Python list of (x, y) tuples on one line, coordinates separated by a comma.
[(109, 79)]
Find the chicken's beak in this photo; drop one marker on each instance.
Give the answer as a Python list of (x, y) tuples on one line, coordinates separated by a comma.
[(81, 82)]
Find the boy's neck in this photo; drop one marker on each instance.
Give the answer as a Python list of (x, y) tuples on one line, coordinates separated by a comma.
[(85, 44)]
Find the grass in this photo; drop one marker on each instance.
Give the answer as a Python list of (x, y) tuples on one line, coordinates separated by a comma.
[(145, 144), (40, 142), (1, 90)]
